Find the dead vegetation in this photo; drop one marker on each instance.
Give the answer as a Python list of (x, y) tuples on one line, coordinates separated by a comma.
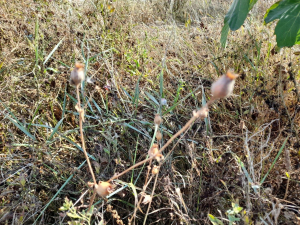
[(142, 54)]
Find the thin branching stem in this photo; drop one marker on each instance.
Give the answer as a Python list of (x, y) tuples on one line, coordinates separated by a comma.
[(152, 193), (195, 116), (82, 137)]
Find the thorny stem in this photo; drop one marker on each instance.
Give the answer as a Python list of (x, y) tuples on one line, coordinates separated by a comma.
[(81, 135), (186, 126)]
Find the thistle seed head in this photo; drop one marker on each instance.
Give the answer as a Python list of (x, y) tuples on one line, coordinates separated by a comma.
[(223, 87), (77, 74)]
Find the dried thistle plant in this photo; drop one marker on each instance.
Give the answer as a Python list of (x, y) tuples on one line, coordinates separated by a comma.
[(221, 88), (76, 78)]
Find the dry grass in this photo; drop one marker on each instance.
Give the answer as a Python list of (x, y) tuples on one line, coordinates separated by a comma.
[(129, 44)]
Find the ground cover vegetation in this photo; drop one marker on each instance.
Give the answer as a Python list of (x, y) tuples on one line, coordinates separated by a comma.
[(148, 66)]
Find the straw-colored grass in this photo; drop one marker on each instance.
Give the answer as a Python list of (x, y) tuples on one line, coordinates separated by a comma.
[(138, 52)]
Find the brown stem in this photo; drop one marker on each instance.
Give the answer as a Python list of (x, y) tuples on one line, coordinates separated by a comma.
[(149, 204), (92, 200), (186, 126), (82, 137)]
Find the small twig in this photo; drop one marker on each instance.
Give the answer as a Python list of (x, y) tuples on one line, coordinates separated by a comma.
[(92, 200)]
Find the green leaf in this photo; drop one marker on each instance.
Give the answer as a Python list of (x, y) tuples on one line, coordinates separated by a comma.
[(252, 3), (73, 215), (214, 220), (152, 98), (236, 208), (237, 14), (21, 127), (275, 160), (53, 50), (55, 129), (278, 10), (287, 29), (224, 34), (269, 9)]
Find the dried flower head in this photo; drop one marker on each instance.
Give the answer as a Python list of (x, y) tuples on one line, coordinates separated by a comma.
[(147, 199), (202, 113), (77, 74), (223, 87), (158, 135), (104, 188), (159, 157), (155, 170), (157, 120), (153, 150)]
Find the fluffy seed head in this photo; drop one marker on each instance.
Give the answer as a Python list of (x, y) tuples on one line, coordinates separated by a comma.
[(223, 87), (77, 74)]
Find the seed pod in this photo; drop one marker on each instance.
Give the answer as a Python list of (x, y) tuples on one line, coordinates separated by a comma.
[(159, 157), (158, 135), (157, 119), (223, 87), (77, 74), (103, 189), (153, 150)]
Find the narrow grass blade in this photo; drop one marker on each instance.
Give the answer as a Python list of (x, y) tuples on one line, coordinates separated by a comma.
[(152, 98), (55, 129), (34, 114), (131, 185), (183, 99), (136, 92), (57, 193), (275, 160), (127, 93), (180, 87), (72, 98), (216, 67), (53, 50), (90, 107), (10, 112), (161, 83), (22, 128), (76, 145), (250, 62), (97, 106), (36, 41), (64, 106), (128, 125)]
